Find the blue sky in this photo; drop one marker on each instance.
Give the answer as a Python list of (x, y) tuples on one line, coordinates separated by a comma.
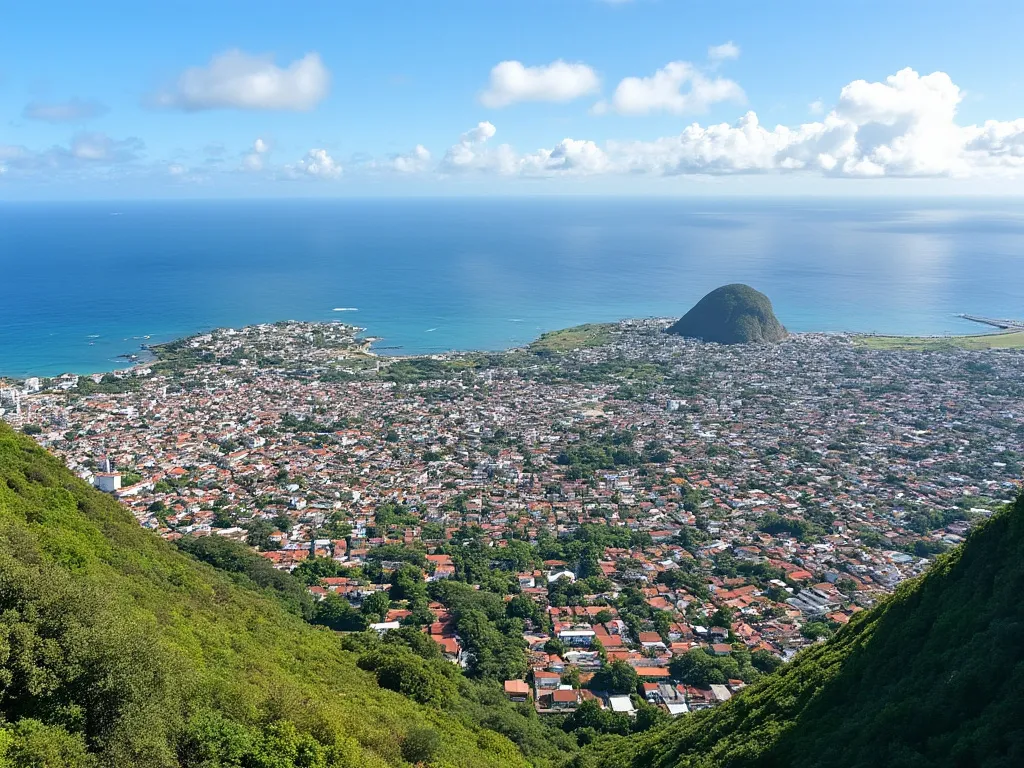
[(231, 99)]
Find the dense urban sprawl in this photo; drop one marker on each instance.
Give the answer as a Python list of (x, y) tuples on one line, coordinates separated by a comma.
[(611, 512)]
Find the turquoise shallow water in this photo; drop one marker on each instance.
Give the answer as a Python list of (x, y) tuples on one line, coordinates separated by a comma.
[(83, 283)]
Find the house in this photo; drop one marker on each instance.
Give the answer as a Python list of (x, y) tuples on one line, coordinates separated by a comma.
[(721, 693), (517, 690), (565, 699), (720, 649), (577, 636), (621, 705), (652, 640), (544, 679)]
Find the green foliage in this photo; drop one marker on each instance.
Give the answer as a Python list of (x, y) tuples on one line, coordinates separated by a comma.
[(118, 650), (236, 558), (376, 606), (605, 452), (399, 669), (933, 676), (731, 314), (421, 745), (312, 569), (615, 678), (335, 612), (795, 527)]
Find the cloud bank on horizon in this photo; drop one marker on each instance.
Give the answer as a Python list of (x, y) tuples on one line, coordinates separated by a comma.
[(903, 126)]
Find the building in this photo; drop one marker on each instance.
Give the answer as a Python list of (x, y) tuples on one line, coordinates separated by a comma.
[(108, 482)]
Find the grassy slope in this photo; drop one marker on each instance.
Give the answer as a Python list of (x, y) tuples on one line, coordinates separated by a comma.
[(577, 337), (981, 341), (932, 677), (174, 634)]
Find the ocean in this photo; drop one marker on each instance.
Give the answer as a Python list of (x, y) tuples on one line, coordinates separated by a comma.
[(83, 283)]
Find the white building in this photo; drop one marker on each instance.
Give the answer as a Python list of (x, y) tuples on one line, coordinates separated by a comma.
[(108, 482)]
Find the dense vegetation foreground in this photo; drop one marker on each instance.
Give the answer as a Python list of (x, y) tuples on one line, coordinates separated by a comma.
[(118, 650), (932, 677)]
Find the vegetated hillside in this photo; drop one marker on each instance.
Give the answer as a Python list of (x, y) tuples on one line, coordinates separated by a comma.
[(118, 650), (731, 314), (932, 677)]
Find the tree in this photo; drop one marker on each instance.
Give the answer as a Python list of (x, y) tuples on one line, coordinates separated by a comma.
[(420, 745), (337, 613), (571, 676), (616, 678), (590, 717), (695, 667), (603, 616), (523, 607), (765, 661), (376, 605), (648, 716), (407, 583), (259, 535)]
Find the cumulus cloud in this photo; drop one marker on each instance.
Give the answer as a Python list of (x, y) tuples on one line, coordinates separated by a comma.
[(571, 156), (729, 50), (253, 161), (512, 82), (904, 126), (317, 164), (472, 153), (71, 111), (238, 80), (679, 87), (416, 161)]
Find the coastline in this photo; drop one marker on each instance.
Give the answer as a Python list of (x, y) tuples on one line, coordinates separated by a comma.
[(554, 341)]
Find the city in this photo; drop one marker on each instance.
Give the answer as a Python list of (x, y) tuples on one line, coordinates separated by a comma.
[(650, 509)]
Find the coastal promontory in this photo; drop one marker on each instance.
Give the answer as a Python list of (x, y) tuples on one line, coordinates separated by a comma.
[(731, 314)]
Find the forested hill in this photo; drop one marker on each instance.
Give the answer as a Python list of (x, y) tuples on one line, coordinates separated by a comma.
[(118, 650), (933, 677)]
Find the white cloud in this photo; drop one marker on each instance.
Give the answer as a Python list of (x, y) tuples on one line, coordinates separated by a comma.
[(74, 110), (253, 161), (85, 151), (473, 154), (663, 92), (905, 126), (571, 156), (416, 161), (559, 81), (816, 107), (100, 148), (318, 164), (177, 169), (237, 80), (729, 50)]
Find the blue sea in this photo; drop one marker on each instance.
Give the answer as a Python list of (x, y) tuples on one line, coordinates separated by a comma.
[(83, 283)]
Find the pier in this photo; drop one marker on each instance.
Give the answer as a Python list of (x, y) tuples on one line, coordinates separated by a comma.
[(1006, 325)]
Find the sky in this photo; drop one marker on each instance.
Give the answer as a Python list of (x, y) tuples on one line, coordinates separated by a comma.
[(117, 100)]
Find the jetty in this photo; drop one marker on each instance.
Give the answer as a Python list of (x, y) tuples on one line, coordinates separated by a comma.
[(1006, 325)]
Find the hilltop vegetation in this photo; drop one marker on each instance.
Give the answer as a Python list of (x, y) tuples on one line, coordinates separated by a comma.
[(1004, 340), (932, 677), (732, 314), (118, 650), (577, 337)]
